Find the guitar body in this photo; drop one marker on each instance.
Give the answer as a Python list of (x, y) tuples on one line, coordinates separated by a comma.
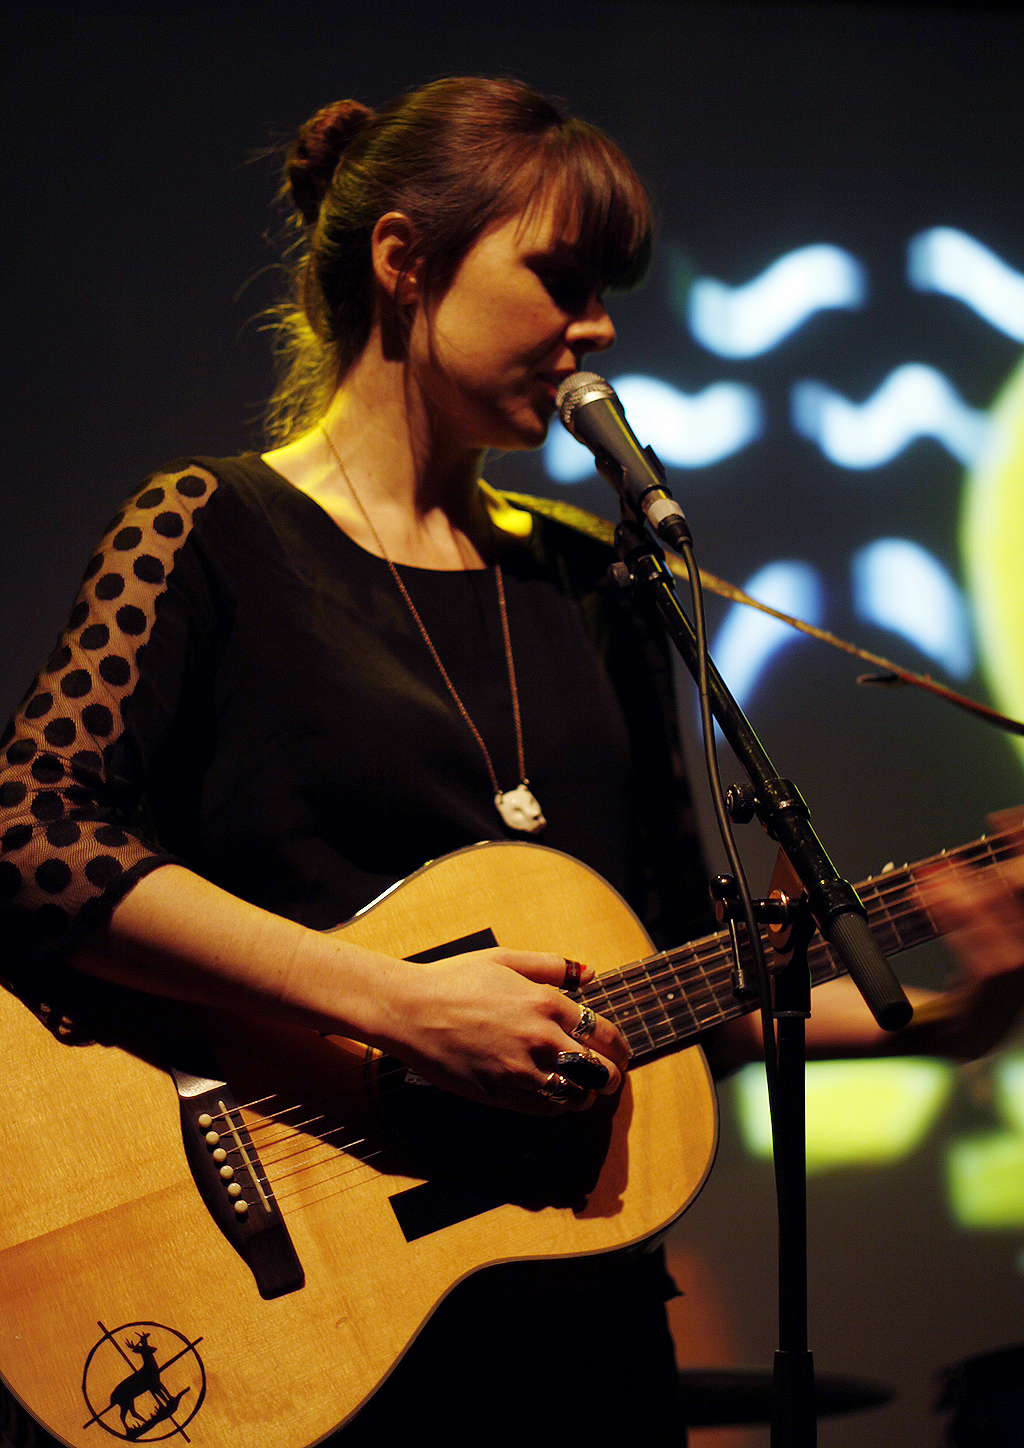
[(125, 1308)]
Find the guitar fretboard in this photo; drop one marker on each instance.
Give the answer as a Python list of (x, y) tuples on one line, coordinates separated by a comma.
[(672, 997)]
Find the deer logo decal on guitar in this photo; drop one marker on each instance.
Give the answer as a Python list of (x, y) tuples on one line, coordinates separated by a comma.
[(142, 1405)]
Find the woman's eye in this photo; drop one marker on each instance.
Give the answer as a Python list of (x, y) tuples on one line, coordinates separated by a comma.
[(568, 291)]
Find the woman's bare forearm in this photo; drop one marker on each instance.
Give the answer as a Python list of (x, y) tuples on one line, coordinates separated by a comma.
[(175, 934), (488, 1024)]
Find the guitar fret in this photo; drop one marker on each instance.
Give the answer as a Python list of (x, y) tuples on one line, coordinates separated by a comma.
[(683, 1001), (884, 924), (672, 997), (628, 1017), (656, 1016)]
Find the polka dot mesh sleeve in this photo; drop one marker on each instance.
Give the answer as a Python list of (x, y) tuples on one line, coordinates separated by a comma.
[(67, 853)]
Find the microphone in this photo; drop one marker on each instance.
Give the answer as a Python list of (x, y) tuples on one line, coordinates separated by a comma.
[(594, 415)]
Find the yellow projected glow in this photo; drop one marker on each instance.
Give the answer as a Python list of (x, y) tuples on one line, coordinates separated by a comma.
[(858, 1112), (1009, 1080), (992, 541), (985, 1174), (985, 1180)]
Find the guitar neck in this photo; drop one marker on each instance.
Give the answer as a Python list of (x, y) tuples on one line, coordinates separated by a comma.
[(668, 999)]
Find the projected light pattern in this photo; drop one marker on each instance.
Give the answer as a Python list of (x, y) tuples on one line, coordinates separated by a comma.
[(914, 401), (985, 1171), (872, 1113), (859, 1113), (685, 431), (1009, 1082), (992, 545), (747, 640), (953, 263), (898, 585), (748, 320), (985, 1180)]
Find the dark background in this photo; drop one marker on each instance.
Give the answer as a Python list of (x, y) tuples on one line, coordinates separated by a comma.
[(141, 249)]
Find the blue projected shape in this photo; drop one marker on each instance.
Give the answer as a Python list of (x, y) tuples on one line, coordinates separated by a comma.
[(747, 640), (914, 401), (951, 262), (685, 431), (748, 320), (898, 585)]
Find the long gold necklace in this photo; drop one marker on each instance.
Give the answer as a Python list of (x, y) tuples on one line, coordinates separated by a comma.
[(517, 807)]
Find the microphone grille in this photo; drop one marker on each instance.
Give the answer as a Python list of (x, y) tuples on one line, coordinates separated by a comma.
[(579, 388)]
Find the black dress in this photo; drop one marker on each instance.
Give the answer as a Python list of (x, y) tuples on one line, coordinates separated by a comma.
[(241, 688)]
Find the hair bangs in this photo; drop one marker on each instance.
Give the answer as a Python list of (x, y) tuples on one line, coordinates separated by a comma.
[(456, 156), (600, 205)]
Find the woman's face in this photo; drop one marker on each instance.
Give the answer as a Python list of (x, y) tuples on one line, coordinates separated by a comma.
[(519, 316)]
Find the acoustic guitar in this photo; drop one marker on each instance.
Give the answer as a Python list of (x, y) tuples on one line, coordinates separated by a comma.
[(239, 1254)]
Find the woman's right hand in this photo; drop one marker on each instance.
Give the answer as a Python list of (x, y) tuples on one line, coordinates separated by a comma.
[(492, 1024)]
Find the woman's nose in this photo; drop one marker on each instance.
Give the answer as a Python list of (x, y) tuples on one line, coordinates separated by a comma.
[(593, 331)]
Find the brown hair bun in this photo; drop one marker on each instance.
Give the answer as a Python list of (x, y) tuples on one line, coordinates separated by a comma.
[(316, 151)]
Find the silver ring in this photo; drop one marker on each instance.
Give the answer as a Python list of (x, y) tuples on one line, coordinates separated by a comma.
[(585, 1026)]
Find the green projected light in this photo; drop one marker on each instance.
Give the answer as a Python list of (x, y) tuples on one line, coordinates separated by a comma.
[(1009, 1083), (985, 1180), (858, 1112), (985, 1173), (873, 1113)]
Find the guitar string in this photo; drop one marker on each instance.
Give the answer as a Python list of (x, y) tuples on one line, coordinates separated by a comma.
[(272, 1178), (347, 1168), (904, 881), (318, 1166), (697, 996), (699, 992)]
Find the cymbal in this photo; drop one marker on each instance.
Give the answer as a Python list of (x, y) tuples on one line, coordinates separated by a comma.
[(720, 1396)]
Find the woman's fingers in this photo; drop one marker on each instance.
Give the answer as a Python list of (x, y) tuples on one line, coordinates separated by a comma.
[(544, 968), (581, 1024), (499, 1023)]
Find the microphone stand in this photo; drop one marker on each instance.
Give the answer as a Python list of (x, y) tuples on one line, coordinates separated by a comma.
[(825, 900)]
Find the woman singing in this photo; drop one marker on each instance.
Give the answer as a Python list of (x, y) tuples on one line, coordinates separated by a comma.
[(291, 679), (322, 667)]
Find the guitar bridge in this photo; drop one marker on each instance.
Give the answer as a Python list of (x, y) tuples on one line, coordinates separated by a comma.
[(232, 1183)]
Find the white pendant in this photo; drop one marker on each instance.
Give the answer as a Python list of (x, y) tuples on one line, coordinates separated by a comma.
[(520, 810)]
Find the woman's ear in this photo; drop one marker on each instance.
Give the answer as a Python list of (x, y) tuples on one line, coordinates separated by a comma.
[(391, 249)]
